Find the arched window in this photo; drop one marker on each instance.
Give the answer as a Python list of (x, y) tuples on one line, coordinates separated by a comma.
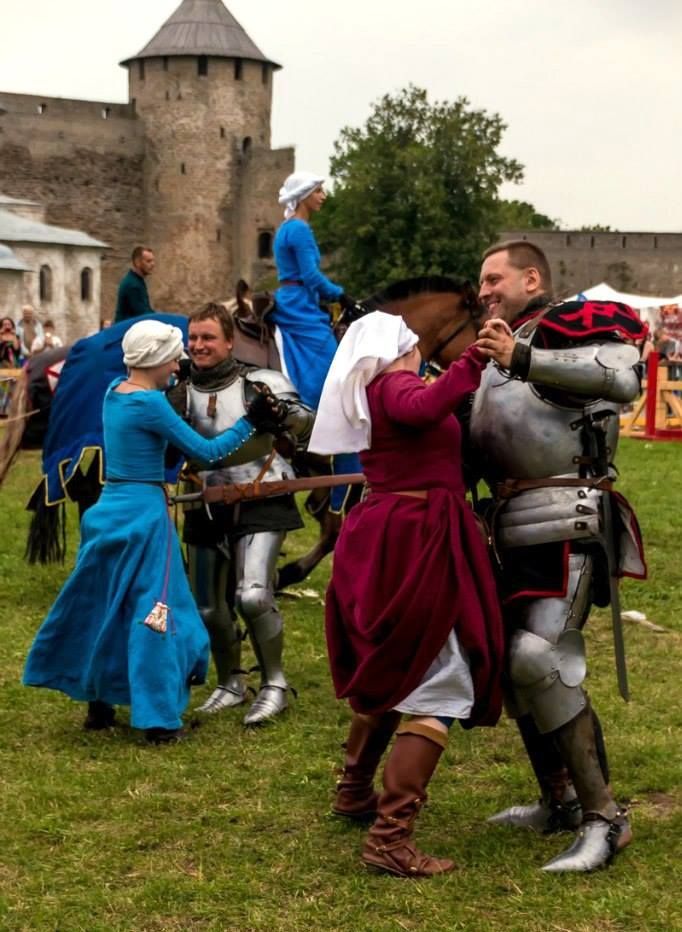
[(45, 283), (265, 244), (202, 66), (246, 144), (86, 285), (238, 69)]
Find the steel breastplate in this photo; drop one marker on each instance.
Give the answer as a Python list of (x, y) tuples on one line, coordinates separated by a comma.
[(516, 433), (211, 413)]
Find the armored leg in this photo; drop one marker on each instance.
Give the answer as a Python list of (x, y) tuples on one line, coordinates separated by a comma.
[(605, 829), (256, 558), (547, 669), (558, 808), (208, 576)]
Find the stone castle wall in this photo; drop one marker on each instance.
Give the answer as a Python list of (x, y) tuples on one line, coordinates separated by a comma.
[(186, 168), (644, 263), (83, 160)]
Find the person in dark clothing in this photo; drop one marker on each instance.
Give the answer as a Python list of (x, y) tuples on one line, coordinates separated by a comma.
[(133, 298)]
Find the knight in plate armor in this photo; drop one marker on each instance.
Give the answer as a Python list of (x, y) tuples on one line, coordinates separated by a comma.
[(543, 434), (233, 549)]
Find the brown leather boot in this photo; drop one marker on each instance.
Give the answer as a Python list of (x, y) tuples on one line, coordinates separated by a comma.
[(367, 740), (409, 767)]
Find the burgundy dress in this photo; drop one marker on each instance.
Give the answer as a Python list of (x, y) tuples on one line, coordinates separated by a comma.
[(407, 570)]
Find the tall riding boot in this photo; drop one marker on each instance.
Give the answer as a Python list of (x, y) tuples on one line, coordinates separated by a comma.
[(558, 808), (605, 829), (367, 740), (407, 772)]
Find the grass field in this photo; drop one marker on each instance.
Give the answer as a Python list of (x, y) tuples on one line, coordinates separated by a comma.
[(231, 830)]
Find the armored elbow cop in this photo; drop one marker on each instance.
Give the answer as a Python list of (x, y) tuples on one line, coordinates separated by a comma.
[(603, 370)]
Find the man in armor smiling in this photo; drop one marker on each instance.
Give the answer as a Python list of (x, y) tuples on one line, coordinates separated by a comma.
[(234, 548), (543, 433)]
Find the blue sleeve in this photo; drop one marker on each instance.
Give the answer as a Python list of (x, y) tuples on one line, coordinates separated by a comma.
[(302, 241), (163, 420)]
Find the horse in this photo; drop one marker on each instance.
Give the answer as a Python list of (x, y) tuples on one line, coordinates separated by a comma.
[(444, 313)]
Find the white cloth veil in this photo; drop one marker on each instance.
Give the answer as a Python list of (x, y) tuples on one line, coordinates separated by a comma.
[(343, 423)]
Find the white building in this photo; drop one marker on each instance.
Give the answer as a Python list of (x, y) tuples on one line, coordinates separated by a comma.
[(60, 274)]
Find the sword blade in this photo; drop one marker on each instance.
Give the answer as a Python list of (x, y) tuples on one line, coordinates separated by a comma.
[(614, 592)]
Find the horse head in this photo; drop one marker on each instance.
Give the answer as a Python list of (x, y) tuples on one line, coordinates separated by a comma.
[(444, 312)]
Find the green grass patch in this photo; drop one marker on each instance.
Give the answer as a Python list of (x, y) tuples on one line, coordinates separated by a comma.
[(231, 830)]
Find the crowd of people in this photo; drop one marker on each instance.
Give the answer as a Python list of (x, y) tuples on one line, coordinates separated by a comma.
[(424, 628)]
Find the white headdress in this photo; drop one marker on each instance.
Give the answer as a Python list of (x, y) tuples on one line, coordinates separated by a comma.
[(296, 188), (151, 343), (343, 423)]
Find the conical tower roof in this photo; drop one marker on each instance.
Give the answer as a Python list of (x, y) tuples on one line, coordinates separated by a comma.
[(202, 27)]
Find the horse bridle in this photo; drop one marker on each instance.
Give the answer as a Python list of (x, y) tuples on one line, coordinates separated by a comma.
[(433, 355)]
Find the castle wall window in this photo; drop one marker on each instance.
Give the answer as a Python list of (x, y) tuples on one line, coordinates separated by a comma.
[(165, 63), (624, 242), (183, 168), (568, 239), (655, 242), (42, 108), (140, 69), (264, 74), (222, 132), (238, 69), (106, 113), (86, 285), (202, 66), (45, 283), (265, 245), (247, 142)]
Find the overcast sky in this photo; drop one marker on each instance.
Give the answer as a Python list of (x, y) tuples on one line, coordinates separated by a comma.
[(591, 90)]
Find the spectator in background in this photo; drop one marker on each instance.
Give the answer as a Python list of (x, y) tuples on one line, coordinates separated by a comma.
[(29, 329), (10, 345), (133, 297), (49, 340)]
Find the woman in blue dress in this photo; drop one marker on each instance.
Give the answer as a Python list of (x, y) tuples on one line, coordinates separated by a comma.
[(125, 629), (306, 334), (305, 338)]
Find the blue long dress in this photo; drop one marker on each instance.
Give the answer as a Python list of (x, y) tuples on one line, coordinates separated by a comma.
[(94, 643), (309, 344)]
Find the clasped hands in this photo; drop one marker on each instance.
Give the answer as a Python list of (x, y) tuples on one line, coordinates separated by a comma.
[(496, 341)]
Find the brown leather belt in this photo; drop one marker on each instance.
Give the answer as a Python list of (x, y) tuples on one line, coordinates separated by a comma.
[(290, 281)]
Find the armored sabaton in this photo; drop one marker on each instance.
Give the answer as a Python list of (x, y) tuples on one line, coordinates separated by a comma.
[(560, 422), (253, 556)]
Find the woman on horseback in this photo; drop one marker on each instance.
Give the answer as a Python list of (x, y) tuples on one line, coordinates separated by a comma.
[(304, 333), (307, 341), (412, 620)]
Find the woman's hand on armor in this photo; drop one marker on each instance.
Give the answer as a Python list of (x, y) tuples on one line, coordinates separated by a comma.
[(496, 341), (266, 412)]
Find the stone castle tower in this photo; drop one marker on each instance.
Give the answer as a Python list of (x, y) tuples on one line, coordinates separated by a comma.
[(185, 166)]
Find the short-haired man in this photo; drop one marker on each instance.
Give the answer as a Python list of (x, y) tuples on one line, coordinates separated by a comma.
[(133, 297), (235, 548), (544, 433)]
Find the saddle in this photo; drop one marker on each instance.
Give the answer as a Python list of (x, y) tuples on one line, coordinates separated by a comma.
[(254, 333)]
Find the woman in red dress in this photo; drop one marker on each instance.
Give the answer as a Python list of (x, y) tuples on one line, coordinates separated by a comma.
[(412, 619)]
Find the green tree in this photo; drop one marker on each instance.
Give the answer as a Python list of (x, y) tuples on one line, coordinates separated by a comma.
[(520, 215), (415, 191)]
